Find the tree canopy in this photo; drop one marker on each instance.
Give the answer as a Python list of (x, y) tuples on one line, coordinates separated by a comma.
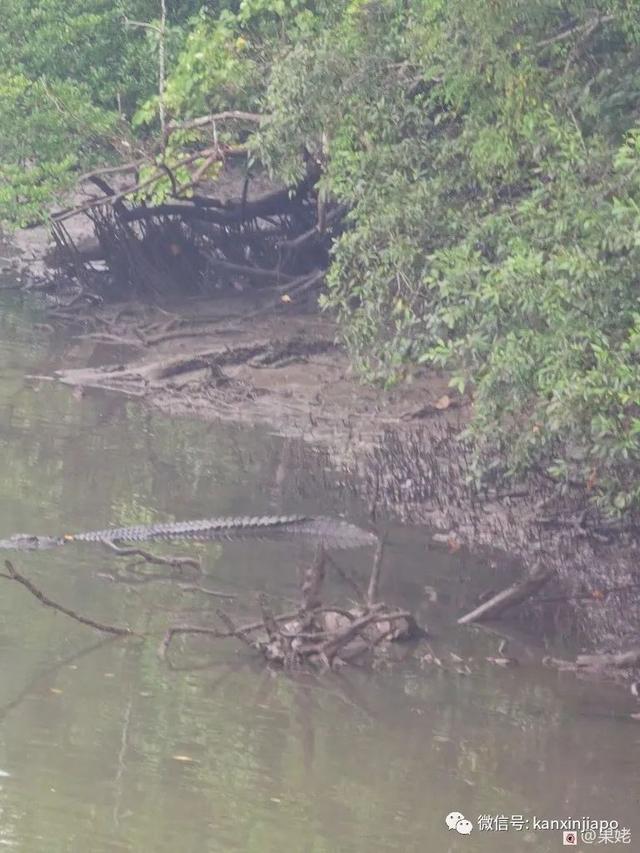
[(487, 155)]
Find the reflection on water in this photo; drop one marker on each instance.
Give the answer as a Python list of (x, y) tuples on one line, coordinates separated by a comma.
[(109, 749)]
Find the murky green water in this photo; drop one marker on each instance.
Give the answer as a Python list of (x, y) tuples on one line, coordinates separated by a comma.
[(108, 748)]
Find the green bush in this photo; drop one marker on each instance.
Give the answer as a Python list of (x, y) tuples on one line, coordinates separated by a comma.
[(490, 156)]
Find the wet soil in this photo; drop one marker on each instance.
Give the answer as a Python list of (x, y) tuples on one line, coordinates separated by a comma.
[(258, 356), (276, 364)]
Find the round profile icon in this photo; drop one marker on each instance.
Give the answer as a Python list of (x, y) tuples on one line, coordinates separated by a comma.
[(452, 819)]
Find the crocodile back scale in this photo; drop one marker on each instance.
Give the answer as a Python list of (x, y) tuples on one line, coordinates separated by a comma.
[(329, 531)]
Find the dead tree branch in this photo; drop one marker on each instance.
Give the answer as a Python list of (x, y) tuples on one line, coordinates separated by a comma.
[(154, 559), (14, 575), (510, 597), (374, 580), (315, 635), (206, 121), (579, 29)]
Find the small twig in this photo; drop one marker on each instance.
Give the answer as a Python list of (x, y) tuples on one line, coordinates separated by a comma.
[(294, 288), (15, 575), (112, 200), (595, 596), (46, 674), (254, 272), (301, 239), (133, 166), (301, 284)]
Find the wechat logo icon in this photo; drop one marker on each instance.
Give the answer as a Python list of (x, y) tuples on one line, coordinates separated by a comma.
[(457, 821)]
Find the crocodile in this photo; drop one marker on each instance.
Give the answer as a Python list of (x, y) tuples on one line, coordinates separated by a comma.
[(329, 531)]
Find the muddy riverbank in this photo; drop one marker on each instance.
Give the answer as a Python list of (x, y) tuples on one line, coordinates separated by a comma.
[(264, 356), (469, 718), (255, 358)]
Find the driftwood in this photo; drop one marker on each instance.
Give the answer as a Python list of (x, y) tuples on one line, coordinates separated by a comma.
[(510, 597), (315, 635), (14, 575), (153, 559)]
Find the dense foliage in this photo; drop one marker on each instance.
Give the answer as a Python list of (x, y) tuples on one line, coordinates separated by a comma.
[(72, 73), (489, 155)]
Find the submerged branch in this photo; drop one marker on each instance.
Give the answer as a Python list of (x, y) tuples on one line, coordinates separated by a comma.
[(14, 575), (148, 557)]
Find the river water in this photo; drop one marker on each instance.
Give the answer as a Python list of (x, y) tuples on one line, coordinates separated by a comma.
[(105, 747)]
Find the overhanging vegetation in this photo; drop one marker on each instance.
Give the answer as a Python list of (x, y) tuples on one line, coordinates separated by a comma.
[(482, 159)]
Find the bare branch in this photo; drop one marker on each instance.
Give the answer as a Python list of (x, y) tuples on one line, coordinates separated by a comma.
[(15, 575), (112, 200), (510, 597), (121, 168), (586, 28), (148, 557), (374, 580), (342, 638), (204, 121), (268, 619), (143, 25)]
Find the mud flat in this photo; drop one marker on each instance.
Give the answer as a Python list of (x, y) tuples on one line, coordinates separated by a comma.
[(262, 355)]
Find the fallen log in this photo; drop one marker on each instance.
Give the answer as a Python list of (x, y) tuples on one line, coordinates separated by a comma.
[(510, 597)]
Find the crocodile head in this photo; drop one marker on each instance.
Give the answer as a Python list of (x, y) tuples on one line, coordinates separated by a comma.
[(29, 542)]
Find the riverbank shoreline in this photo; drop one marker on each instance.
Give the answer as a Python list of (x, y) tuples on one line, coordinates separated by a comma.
[(256, 356)]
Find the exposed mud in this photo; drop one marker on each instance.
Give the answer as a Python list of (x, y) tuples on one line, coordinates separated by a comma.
[(259, 355), (245, 358), (424, 477), (242, 358)]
